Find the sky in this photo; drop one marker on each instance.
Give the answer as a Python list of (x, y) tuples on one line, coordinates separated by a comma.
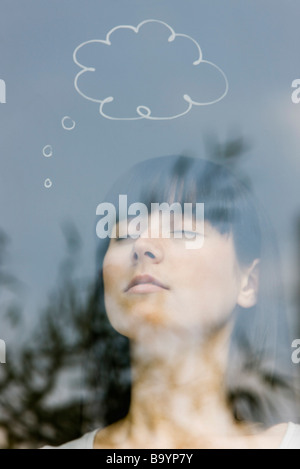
[(254, 44)]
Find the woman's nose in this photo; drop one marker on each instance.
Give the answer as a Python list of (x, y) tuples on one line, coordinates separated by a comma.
[(147, 250)]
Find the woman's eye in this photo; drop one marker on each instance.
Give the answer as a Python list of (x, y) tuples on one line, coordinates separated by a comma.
[(127, 237), (178, 234), (183, 233)]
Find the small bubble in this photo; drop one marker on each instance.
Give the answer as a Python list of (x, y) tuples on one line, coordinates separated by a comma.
[(68, 125), (48, 183), (47, 151)]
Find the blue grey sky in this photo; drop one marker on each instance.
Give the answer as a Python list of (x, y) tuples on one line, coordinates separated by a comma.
[(255, 42)]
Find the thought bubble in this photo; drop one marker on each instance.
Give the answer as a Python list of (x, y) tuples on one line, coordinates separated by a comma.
[(68, 123), (47, 151), (125, 61), (48, 183)]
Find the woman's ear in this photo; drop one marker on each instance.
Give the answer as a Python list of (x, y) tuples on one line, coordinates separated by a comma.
[(249, 285)]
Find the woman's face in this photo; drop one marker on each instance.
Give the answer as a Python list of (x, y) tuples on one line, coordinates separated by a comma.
[(159, 282)]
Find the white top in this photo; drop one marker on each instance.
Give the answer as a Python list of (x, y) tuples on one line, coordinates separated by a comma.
[(85, 442), (291, 440)]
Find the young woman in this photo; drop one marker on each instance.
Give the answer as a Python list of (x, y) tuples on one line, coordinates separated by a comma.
[(209, 349)]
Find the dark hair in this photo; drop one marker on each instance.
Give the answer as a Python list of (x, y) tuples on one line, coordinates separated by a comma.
[(259, 377)]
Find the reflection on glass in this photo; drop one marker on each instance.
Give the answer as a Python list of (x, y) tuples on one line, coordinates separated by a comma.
[(170, 347)]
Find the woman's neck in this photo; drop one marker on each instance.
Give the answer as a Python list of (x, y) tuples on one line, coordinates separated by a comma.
[(178, 390)]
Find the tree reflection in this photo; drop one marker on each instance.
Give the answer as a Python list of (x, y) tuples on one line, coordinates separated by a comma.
[(49, 388)]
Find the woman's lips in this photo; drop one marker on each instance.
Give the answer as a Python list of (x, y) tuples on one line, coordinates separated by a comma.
[(145, 284), (144, 288)]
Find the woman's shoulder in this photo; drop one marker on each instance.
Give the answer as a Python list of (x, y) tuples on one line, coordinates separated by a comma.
[(114, 436), (84, 442), (110, 437), (281, 436), (291, 438)]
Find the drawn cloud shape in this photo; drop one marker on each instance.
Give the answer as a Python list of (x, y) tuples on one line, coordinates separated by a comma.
[(96, 51)]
